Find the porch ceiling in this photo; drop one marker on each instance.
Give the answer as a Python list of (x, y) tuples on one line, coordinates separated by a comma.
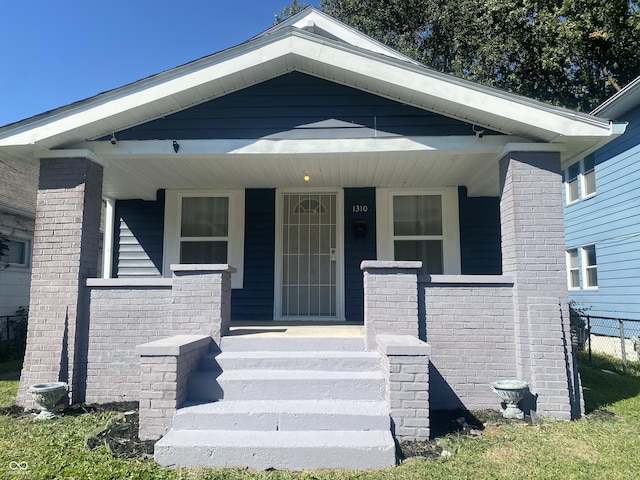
[(143, 177)]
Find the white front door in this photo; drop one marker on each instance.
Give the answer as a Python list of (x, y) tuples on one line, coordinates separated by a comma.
[(309, 261)]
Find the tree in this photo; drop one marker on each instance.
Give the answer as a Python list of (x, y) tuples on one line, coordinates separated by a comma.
[(574, 53), (289, 11)]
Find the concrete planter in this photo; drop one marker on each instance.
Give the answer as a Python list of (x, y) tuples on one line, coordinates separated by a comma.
[(46, 396), (511, 392)]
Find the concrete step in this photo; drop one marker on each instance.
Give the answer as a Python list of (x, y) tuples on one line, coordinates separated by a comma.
[(282, 450), (285, 385), (284, 415), (346, 361), (248, 343)]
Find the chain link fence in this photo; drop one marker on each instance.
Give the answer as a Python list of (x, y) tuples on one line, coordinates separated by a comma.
[(13, 337), (616, 337)]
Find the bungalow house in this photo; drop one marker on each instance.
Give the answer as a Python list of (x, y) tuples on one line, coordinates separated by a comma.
[(602, 217), (310, 179)]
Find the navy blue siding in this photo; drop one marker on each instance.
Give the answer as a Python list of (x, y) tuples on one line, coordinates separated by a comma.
[(357, 248), (610, 220), (296, 105), (480, 243), (138, 237), (255, 300)]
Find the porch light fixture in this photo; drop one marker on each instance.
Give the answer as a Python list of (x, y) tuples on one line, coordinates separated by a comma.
[(176, 146), (305, 176), (114, 140), (479, 133)]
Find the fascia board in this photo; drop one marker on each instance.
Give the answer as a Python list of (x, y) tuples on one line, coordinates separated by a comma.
[(621, 102)]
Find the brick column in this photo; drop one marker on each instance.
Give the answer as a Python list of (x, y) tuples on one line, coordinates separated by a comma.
[(165, 366), (390, 299), (531, 214), (65, 253), (405, 365), (202, 299)]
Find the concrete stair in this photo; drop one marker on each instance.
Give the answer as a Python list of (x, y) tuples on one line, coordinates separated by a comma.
[(284, 403)]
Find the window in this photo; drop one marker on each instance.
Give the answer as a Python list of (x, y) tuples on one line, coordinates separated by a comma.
[(571, 178), (417, 231), (590, 266), (205, 227), (573, 269), (17, 254), (580, 180), (588, 177), (419, 225)]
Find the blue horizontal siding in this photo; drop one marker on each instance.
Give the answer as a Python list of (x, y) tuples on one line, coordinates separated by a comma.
[(139, 237), (610, 220), (255, 300), (480, 243), (296, 105)]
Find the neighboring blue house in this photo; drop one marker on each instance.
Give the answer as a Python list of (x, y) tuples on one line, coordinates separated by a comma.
[(602, 217), (310, 175)]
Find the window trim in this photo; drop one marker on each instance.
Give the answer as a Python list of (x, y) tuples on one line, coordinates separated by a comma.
[(235, 234), (450, 224)]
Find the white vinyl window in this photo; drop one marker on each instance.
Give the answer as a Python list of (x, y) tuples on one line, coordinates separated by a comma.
[(580, 180), (590, 266), (205, 228), (17, 253), (420, 225), (573, 269)]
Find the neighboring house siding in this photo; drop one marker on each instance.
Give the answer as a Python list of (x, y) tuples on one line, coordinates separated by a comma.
[(610, 220), (18, 191), (357, 247), (139, 237), (255, 300), (480, 252), (296, 105)]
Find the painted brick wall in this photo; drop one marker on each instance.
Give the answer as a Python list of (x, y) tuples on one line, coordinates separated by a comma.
[(121, 319), (471, 333)]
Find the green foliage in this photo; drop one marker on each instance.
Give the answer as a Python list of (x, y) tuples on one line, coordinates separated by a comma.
[(574, 53)]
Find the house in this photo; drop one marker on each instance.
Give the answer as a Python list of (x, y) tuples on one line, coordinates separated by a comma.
[(18, 188), (602, 217), (309, 179)]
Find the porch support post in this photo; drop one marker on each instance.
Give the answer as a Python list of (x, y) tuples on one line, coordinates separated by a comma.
[(390, 299), (202, 299), (65, 253), (531, 216)]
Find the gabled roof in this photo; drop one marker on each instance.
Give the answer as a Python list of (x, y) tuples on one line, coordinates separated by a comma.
[(313, 43), (620, 103)]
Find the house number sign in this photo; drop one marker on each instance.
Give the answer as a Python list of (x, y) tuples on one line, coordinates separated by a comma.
[(359, 208)]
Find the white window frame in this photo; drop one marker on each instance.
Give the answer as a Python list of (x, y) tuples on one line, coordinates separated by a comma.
[(450, 224), (581, 183), (26, 260), (570, 269), (586, 267), (235, 237)]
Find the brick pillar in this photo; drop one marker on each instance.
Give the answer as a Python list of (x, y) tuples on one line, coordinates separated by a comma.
[(65, 253), (405, 365), (531, 214), (390, 299), (202, 299)]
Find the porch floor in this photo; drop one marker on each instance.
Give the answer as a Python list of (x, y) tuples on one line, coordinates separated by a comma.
[(297, 329)]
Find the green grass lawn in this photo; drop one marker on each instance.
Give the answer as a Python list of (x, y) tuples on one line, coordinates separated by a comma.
[(597, 446)]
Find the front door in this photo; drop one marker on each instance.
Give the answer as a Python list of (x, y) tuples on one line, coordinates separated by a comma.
[(309, 273)]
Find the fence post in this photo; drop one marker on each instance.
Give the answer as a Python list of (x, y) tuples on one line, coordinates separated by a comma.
[(589, 334), (622, 345)]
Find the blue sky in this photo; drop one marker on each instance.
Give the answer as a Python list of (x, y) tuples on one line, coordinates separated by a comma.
[(58, 51)]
